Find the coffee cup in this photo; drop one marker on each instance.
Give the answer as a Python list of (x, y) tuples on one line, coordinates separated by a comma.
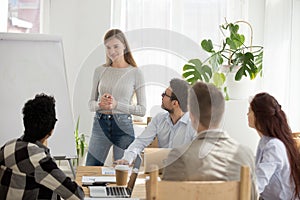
[(121, 174)]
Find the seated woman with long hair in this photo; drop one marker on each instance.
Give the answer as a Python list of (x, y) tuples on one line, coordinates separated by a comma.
[(277, 157)]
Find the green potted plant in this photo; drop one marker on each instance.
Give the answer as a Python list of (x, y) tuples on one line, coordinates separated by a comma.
[(231, 56), (80, 141)]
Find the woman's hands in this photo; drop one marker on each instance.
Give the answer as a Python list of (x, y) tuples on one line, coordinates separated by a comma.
[(107, 102), (120, 162)]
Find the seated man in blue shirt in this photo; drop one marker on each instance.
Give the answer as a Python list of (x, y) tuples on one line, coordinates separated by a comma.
[(172, 128), (27, 169)]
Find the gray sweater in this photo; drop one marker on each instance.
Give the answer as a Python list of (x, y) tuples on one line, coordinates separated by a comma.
[(121, 83)]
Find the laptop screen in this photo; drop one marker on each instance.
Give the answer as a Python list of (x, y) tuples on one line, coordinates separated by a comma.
[(134, 173)]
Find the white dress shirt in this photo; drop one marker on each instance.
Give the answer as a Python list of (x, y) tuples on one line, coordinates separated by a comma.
[(169, 135), (273, 170)]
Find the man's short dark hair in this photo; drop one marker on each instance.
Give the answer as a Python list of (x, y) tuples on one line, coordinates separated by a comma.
[(39, 117), (206, 103), (180, 89)]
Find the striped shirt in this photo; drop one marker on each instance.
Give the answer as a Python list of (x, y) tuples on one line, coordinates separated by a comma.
[(28, 172)]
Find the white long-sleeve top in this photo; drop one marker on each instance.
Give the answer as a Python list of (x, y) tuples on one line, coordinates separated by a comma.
[(273, 170), (169, 135), (121, 83)]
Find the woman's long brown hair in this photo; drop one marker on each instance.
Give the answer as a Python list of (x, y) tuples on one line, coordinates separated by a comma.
[(271, 121), (116, 33)]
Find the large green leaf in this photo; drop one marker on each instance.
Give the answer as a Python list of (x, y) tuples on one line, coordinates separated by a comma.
[(233, 28), (195, 70), (258, 61), (196, 62), (238, 39), (246, 62), (207, 46), (215, 61), (235, 40), (219, 79)]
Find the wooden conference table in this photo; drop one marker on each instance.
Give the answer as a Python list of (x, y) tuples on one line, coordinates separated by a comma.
[(139, 190)]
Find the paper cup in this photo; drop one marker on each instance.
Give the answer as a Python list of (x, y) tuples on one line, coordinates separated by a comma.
[(121, 174)]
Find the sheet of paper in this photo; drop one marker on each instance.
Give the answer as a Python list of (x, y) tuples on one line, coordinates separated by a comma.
[(108, 170), (93, 179)]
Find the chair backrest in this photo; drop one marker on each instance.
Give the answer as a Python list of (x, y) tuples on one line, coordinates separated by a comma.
[(202, 190), (297, 139), (154, 143), (155, 156)]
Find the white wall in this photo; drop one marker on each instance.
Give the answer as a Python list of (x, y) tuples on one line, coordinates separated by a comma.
[(236, 123), (82, 25), (256, 9)]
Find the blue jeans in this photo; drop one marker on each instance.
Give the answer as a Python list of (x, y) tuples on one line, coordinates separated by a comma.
[(108, 130)]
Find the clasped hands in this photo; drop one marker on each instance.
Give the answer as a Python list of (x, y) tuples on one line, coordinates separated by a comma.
[(121, 162), (107, 102)]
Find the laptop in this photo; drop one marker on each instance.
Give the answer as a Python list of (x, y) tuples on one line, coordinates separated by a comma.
[(117, 191), (155, 156)]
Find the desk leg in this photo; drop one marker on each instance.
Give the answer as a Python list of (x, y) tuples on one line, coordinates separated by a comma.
[(69, 161), (72, 168)]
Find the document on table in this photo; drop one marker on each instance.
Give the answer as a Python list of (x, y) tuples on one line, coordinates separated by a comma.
[(108, 171), (93, 180)]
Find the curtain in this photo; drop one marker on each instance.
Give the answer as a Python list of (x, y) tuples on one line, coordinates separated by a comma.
[(282, 46), (164, 35)]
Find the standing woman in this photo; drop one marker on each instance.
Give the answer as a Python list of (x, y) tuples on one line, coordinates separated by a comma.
[(114, 85), (277, 157)]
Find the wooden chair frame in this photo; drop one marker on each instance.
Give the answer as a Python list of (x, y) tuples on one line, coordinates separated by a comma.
[(205, 190), (296, 136)]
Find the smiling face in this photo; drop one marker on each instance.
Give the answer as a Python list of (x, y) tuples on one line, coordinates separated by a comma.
[(251, 118), (114, 49)]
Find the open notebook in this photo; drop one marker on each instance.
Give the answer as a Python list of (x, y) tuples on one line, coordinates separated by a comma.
[(117, 191)]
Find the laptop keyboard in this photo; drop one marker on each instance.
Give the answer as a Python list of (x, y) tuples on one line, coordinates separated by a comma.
[(117, 191)]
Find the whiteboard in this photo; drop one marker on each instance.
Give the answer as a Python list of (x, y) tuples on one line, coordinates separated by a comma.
[(31, 64)]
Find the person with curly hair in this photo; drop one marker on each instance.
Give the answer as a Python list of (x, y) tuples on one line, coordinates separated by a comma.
[(27, 170)]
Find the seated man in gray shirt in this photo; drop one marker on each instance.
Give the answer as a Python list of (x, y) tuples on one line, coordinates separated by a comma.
[(213, 155), (172, 128)]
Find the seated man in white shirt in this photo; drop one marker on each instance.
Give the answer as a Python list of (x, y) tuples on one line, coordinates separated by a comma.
[(172, 128)]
